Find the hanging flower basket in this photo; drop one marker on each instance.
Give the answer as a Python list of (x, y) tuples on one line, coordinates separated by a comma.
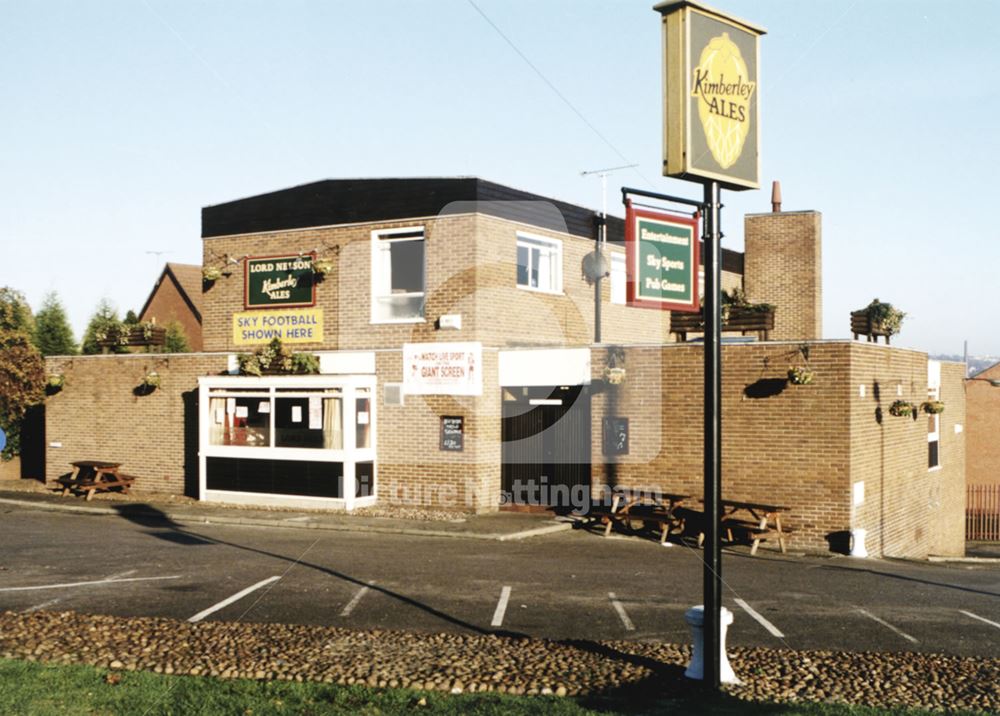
[(211, 273), (614, 376), (932, 407), (54, 384), (902, 409), (151, 380), (799, 376), (322, 267)]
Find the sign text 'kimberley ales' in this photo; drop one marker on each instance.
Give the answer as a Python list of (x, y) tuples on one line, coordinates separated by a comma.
[(443, 368), (661, 253), (300, 325), (279, 281), (711, 113)]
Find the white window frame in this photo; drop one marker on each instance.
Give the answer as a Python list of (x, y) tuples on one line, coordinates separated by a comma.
[(934, 433), (934, 393), (618, 276), (266, 389), (380, 279), (556, 245)]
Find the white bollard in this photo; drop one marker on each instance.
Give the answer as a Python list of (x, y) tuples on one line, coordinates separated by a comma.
[(858, 542), (695, 617)]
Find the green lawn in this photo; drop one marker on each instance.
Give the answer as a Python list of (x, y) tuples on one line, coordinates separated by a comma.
[(43, 689)]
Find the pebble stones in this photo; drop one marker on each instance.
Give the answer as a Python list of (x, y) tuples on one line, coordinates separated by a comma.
[(458, 663)]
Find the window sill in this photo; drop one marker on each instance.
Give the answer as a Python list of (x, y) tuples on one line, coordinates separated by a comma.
[(396, 321), (541, 290)]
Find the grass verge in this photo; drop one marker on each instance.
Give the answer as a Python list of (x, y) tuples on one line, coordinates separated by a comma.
[(51, 689)]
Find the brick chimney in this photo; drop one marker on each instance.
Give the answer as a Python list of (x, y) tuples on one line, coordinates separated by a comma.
[(782, 266)]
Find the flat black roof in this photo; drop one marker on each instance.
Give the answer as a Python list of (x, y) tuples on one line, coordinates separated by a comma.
[(348, 201)]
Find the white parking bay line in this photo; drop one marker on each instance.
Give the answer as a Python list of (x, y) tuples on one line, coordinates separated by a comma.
[(629, 626), (235, 598), (760, 619), (41, 606), (501, 607), (349, 607), (887, 625), (67, 585), (982, 619)]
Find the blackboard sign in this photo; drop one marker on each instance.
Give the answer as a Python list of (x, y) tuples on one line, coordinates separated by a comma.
[(453, 433), (279, 281), (615, 436)]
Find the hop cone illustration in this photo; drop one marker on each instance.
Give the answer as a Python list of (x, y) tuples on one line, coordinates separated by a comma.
[(722, 64)]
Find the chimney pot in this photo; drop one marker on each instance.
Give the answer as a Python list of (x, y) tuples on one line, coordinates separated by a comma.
[(776, 196)]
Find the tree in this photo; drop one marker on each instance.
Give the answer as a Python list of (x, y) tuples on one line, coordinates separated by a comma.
[(53, 335), (176, 340), (22, 370), (130, 318), (103, 323), (15, 314)]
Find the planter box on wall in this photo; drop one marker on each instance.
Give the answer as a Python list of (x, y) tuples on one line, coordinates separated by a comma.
[(740, 320)]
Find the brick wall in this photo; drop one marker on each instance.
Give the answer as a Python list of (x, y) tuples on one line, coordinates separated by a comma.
[(412, 470), (983, 428), (97, 416), (782, 266), (802, 446), (167, 305), (471, 269)]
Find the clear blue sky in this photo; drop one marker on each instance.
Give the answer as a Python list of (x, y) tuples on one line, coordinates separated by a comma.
[(122, 118)]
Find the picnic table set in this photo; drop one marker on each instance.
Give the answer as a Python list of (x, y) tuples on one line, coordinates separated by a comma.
[(90, 476), (636, 510)]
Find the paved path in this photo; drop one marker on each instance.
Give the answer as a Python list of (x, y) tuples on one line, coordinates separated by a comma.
[(565, 585)]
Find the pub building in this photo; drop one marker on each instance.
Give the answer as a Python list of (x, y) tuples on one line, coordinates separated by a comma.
[(442, 332)]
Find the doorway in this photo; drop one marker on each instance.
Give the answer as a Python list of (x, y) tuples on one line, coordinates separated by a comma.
[(546, 435)]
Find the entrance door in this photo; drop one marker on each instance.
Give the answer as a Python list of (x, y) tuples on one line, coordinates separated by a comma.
[(546, 445)]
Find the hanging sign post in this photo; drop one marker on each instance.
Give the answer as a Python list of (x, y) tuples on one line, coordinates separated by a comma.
[(711, 135)]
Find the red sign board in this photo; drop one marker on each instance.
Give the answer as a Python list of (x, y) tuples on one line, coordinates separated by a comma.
[(662, 259)]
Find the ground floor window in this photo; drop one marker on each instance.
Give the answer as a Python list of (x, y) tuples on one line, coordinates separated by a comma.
[(285, 439)]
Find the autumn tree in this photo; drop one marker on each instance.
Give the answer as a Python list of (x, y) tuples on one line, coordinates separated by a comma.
[(22, 369)]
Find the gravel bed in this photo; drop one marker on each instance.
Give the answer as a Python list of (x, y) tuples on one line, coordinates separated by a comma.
[(474, 663)]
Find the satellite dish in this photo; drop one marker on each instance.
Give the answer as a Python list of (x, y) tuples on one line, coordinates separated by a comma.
[(595, 266)]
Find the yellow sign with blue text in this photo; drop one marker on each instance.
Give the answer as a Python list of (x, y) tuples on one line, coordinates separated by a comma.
[(711, 95), (293, 325)]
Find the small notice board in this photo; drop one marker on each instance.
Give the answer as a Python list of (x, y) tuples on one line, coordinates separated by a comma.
[(615, 436), (453, 433)]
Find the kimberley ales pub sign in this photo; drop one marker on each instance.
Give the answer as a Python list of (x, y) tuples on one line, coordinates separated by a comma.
[(711, 110)]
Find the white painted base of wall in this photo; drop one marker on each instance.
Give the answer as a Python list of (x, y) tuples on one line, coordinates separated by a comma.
[(293, 501)]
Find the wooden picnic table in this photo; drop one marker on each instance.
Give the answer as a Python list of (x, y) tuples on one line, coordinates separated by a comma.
[(92, 476), (632, 506), (757, 520)]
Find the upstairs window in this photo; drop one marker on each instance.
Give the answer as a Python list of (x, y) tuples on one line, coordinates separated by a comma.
[(539, 263), (398, 276)]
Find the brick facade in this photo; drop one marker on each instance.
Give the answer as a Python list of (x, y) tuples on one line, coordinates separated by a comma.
[(804, 446), (783, 266), (175, 300), (99, 416), (983, 428), (801, 446)]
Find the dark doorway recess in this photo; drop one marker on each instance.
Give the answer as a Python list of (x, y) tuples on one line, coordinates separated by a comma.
[(546, 446)]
